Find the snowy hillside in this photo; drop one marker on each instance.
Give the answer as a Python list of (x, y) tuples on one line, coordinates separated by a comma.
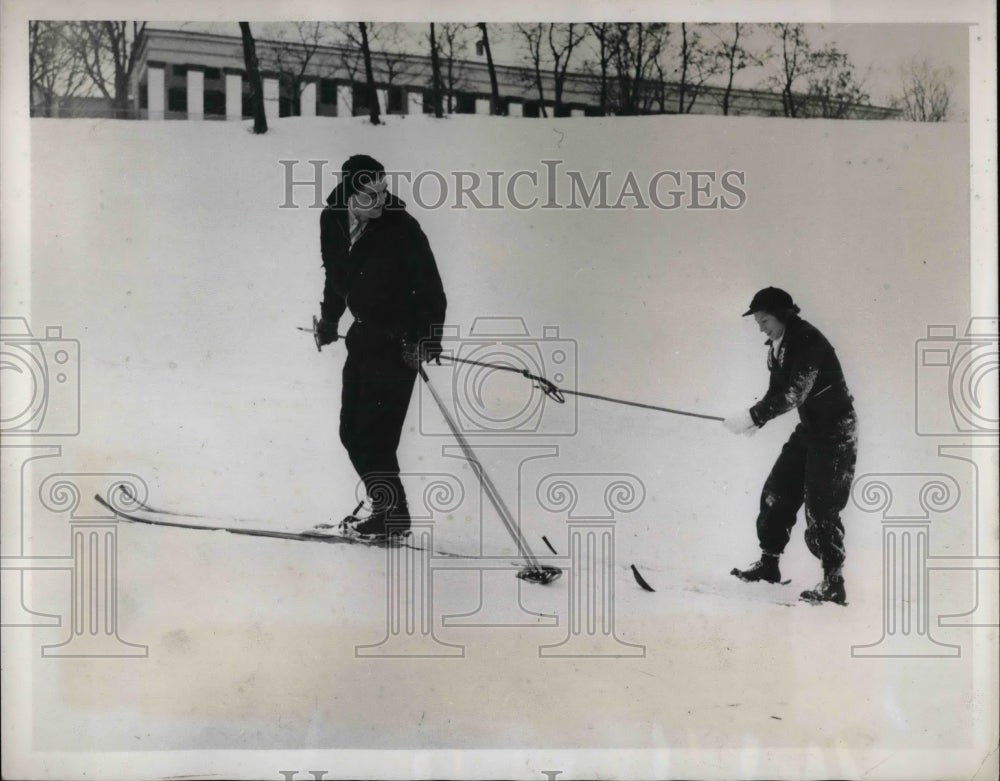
[(162, 248)]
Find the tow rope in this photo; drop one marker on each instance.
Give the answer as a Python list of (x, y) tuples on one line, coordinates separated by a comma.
[(544, 384), (558, 394)]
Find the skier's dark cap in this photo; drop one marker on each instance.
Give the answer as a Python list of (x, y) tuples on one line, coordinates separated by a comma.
[(359, 170), (773, 300)]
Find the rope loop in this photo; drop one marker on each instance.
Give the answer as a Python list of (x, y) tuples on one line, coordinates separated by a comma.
[(547, 387)]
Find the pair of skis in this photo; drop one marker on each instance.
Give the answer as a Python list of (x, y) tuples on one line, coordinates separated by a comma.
[(533, 571), (127, 507)]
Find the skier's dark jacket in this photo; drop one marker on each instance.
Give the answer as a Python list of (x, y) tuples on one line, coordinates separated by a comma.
[(805, 374), (388, 279)]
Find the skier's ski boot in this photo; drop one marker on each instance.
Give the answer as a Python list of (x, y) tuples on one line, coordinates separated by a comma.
[(766, 569), (355, 517), (830, 590), (386, 526), (346, 524)]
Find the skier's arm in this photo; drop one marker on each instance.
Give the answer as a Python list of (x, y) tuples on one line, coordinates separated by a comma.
[(335, 288), (784, 395), (429, 300)]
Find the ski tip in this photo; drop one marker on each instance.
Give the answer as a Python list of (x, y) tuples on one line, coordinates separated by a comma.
[(641, 580), (549, 545)]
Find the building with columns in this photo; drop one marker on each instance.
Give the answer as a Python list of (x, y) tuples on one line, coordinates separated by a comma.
[(200, 76)]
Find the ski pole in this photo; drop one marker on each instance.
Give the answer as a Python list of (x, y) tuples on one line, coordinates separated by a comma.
[(534, 572)]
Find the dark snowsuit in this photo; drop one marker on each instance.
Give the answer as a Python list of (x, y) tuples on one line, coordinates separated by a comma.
[(816, 465), (390, 282)]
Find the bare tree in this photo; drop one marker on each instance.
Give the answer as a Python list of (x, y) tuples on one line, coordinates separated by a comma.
[(657, 89), (563, 39), (389, 42), (107, 52), (732, 56), (794, 64), (814, 82), (925, 92), (833, 88), (54, 69), (454, 43), (350, 60), (532, 35), (637, 49), (494, 89), (366, 53), (365, 45), (604, 34), (253, 76), (697, 65), (291, 54), (435, 75)]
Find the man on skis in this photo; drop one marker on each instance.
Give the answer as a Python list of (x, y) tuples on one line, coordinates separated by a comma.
[(816, 465), (378, 264)]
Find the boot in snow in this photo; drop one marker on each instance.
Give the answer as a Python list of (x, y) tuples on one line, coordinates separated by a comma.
[(383, 525), (830, 590), (766, 569)]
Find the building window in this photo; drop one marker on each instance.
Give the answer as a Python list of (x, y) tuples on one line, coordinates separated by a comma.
[(179, 71), (328, 91), (177, 99), (360, 95), (215, 103), (143, 95), (531, 109), (213, 74), (464, 103), (396, 101)]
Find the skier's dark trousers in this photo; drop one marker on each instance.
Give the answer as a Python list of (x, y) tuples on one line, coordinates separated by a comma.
[(378, 264)]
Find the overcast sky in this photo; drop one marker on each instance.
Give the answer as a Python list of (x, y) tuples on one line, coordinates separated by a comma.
[(878, 51)]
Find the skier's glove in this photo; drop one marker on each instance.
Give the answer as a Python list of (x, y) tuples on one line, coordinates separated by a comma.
[(740, 423), (431, 350), (326, 331)]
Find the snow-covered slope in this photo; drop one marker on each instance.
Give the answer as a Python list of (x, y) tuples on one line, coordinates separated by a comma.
[(162, 247)]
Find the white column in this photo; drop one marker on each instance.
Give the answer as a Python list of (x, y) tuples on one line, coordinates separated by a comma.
[(234, 96), (515, 109), (345, 101), (383, 100), (156, 93), (482, 106), (414, 102), (195, 94), (271, 108), (308, 100)]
